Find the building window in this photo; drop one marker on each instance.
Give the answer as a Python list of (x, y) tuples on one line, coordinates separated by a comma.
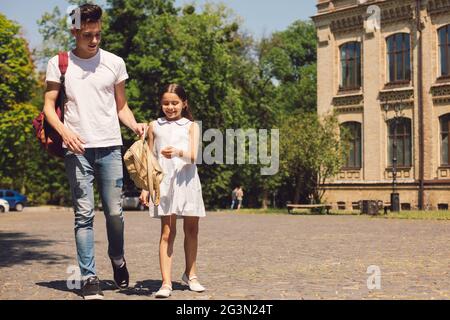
[(399, 57), (351, 66), (444, 49), (445, 153), (352, 135), (400, 131)]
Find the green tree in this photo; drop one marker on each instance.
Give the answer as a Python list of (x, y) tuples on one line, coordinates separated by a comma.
[(290, 58), (278, 78), (24, 166), (16, 66), (311, 153)]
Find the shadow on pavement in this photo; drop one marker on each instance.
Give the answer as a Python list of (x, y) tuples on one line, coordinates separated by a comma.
[(149, 287), (20, 248), (61, 285)]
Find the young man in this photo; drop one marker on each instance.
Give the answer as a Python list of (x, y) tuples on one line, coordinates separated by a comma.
[(96, 101)]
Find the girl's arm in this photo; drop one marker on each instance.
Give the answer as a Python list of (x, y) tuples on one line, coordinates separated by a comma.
[(190, 156)]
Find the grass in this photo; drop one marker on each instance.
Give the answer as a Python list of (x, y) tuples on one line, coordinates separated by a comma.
[(418, 215), (410, 215), (257, 211)]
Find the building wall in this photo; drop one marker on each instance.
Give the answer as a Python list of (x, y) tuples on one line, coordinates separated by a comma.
[(341, 21)]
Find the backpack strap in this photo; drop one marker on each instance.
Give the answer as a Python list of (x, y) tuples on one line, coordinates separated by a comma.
[(149, 173), (63, 63)]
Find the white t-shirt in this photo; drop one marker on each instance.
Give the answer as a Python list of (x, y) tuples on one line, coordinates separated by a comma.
[(91, 109)]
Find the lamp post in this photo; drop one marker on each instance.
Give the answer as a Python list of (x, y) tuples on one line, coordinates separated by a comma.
[(398, 114)]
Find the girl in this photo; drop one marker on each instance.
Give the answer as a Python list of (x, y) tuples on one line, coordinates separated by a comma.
[(175, 140)]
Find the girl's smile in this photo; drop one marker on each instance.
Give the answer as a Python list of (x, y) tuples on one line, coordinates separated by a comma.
[(172, 106)]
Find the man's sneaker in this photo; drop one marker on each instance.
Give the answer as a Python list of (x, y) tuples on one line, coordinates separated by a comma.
[(91, 289), (121, 276)]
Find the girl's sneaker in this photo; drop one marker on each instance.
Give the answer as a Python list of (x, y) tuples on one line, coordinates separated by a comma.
[(193, 285), (164, 292)]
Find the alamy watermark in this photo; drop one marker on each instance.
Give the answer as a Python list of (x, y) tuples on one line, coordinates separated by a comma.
[(373, 20), (236, 140), (374, 280), (74, 17), (74, 279)]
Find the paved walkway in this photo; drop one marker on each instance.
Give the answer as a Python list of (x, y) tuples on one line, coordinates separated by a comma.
[(240, 257)]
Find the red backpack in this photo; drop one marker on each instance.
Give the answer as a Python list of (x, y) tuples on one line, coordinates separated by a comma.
[(48, 137)]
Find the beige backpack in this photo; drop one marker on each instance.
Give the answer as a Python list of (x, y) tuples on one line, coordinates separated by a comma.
[(144, 169)]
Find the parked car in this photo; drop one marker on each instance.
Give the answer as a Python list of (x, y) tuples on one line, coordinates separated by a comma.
[(4, 206), (130, 201), (16, 200)]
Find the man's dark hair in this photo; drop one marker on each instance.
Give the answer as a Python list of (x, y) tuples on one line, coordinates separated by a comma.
[(89, 13)]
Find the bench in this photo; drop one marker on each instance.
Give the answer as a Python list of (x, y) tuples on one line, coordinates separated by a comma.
[(291, 207)]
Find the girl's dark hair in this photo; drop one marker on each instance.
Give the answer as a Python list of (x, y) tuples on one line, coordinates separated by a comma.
[(181, 93), (90, 13)]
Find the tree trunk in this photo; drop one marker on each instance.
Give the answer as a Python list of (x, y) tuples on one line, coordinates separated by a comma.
[(298, 188), (265, 199)]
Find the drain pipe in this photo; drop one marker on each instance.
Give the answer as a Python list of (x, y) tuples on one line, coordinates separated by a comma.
[(420, 106)]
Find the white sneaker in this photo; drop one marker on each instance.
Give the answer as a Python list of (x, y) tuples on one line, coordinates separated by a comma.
[(193, 286), (164, 292)]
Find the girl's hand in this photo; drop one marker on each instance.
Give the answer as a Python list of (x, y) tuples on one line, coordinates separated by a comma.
[(171, 152), (144, 198)]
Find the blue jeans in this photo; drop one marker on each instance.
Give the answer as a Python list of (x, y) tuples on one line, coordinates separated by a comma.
[(105, 164)]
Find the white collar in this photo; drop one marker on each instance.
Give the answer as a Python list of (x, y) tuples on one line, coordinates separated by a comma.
[(180, 122)]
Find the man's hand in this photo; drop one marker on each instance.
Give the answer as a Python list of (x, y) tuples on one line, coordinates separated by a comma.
[(73, 141), (139, 128)]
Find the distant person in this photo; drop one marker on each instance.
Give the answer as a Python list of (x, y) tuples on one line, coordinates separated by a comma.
[(233, 198), (239, 197), (96, 102), (175, 139)]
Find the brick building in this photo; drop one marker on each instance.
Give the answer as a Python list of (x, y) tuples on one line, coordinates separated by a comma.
[(384, 69)]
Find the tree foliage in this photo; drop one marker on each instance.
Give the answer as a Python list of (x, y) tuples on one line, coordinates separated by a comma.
[(16, 66), (311, 153)]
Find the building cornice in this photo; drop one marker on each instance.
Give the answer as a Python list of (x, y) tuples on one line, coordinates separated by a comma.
[(352, 17), (441, 93), (436, 7), (397, 95)]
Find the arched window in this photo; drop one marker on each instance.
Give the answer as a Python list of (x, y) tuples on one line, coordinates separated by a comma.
[(445, 154), (352, 134), (350, 65), (400, 132), (444, 50), (399, 57)]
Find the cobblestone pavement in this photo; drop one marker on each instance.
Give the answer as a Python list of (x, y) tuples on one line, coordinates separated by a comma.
[(240, 257)]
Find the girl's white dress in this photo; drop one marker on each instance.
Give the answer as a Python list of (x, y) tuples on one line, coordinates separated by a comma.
[(181, 191)]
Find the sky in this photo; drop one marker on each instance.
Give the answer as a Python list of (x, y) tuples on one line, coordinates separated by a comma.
[(260, 17)]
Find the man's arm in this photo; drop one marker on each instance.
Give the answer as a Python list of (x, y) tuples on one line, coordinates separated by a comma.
[(73, 142), (125, 114)]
